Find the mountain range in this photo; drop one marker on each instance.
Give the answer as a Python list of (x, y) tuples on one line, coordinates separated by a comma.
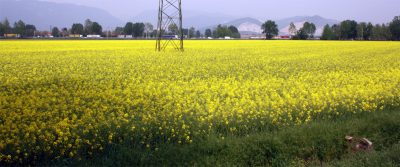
[(47, 14)]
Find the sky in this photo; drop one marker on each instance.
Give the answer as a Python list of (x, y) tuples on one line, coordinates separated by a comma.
[(377, 11)]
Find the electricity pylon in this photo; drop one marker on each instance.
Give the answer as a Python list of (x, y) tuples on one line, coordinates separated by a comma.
[(169, 26)]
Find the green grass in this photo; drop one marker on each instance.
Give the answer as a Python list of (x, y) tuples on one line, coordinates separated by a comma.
[(315, 144)]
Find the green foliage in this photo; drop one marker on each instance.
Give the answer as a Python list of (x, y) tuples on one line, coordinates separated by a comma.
[(309, 29), (20, 28), (77, 28), (381, 32), (270, 29), (224, 31), (208, 33), (292, 29), (327, 33), (138, 29), (55, 32), (128, 29), (96, 28), (395, 28), (348, 29), (30, 30), (320, 142)]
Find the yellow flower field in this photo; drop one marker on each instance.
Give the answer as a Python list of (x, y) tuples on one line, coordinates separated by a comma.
[(61, 99)]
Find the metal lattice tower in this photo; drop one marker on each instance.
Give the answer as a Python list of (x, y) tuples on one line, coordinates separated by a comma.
[(169, 17)]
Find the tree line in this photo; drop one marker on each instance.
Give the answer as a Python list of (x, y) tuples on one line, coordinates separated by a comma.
[(345, 30), (351, 30), (18, 27)]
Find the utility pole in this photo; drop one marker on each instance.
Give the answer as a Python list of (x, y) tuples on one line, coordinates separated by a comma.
[(169, 13)]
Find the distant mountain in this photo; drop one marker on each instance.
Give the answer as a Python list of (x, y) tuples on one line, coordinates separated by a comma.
[(246, 25), (191, 18), (45, 14), (253, 26)]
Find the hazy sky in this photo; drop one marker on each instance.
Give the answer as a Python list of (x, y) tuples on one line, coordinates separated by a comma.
[(361, 10)]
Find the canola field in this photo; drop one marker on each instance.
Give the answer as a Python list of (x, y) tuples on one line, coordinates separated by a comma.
[(72, 99)]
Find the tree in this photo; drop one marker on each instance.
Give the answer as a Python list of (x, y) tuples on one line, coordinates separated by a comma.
[(348, 29), (128, 29), (381, 32), (148, 28), (118, 31), (368, 31), (192, 32), (88, 27), (235, 32), (96, 28), (77, 28), (394, 28), (208, 33), (5, 27), (173, 28), (2, 30), (30, 30), (20, 28), (309, 29), (64, 32), (198, 34), (222, 31), (301, 34), (55, 32), (138, 29), (292, 29), (270, 29), (215, 33), (327, 33), (336, 31)]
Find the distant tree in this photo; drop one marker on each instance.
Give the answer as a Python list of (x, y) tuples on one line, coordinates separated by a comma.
[(77, 28), (235, 31), (292, 29), (30, 30), (173, 29), (128, 29), (215, 33), (198, 34), (55, 32), (394, 28), (138, 29), (88, 27), (361, 28), (2, 29), (327, 33), (184, 30), (64, 32), (336, 31), (309, 29), (223, 31), (148, 29), (208, 33), (20, 28), (96, 28), (5, 27), (118, 31), (301, 35), (368, 31), (270, 29), (348, 29), (381, 32), (192, 32)]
